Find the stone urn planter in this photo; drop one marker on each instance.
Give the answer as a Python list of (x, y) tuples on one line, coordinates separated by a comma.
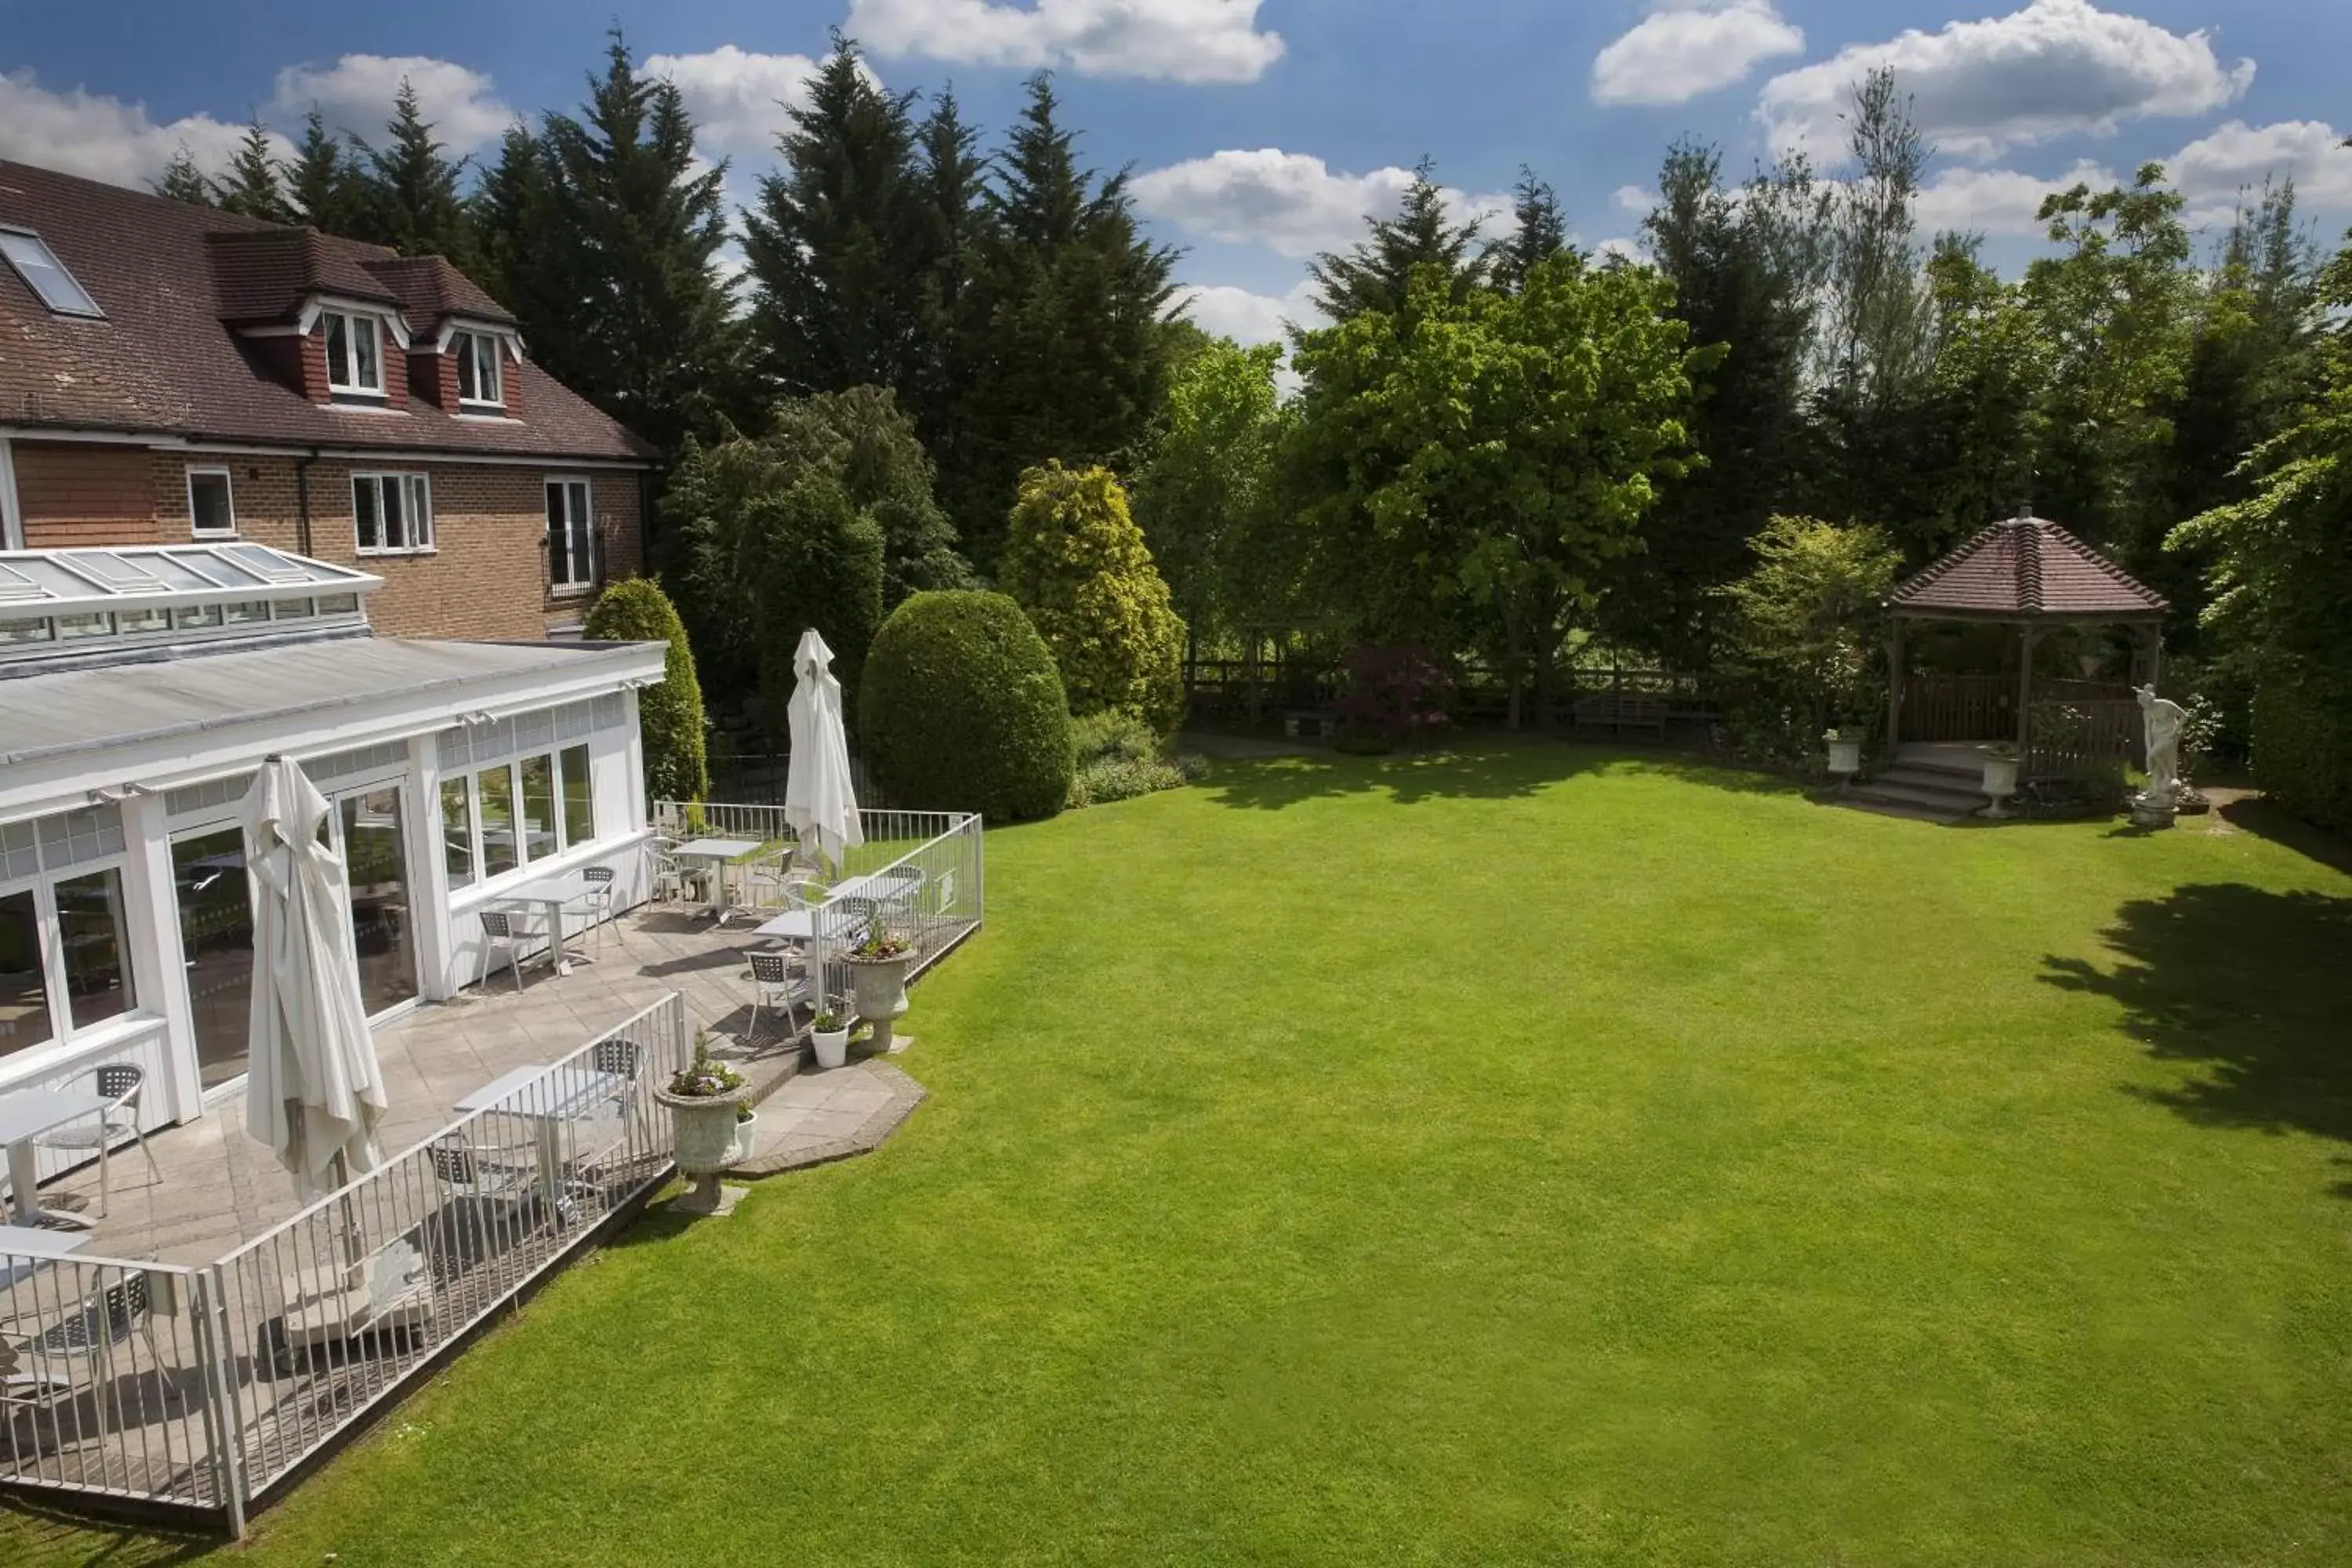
[(877, 984), (701, 1102), (2000, 778), (1845, 753)]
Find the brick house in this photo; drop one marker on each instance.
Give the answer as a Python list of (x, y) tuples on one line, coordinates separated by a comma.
[(171, 373)]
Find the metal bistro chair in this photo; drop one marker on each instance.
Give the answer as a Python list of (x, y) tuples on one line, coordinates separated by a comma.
[(101, 1321), (505, 1179), (119, 1083), (500, 935), (775, 987), (598, 898), (625, 1059)]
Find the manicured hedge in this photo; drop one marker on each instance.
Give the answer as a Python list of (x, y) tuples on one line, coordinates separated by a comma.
[(669, 716), (2302, 750), (963, 710)]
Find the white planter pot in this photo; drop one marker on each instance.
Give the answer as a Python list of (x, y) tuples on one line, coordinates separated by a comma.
[(703, 1133), (832, 1049), (1846, 756), (747, 1129)]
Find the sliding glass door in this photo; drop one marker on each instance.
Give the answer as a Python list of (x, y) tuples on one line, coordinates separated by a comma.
[(216, 939), (376, 852)]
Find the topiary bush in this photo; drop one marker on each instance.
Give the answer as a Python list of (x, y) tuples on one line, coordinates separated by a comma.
[(669, 716), (963, 710), (1077, 563)]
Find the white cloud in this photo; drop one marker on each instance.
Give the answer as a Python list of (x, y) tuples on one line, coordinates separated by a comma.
[(1289, 202), (1248, 318), (1685, 48), (1634, 201), (355, 94), (2212, 170), (1999, 202), (2056, 67), (741, 100), (1174, 40), (101, 138), (1617, 247)]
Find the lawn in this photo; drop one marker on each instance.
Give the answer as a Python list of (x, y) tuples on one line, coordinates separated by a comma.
[(1532, 1155)]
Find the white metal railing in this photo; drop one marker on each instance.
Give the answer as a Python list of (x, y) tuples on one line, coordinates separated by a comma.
[(884, 830), (204, 1387)]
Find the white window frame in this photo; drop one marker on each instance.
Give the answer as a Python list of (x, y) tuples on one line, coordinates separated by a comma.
[(12, 524), (421, 541), (573, 583), (484, 351), (46, 258), (512, 767), (337, 374), (63, 1031), (229, 482)]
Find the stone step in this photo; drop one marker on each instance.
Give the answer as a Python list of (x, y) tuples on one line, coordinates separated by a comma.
[(1860, 801), (1971, 776), (1967, 787), (1945, 803)]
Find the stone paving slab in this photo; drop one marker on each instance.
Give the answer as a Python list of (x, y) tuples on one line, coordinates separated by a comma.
[(822, 1117)]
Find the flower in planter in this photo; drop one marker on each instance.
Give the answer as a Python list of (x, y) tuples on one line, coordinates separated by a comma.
[(829, 1023), (879, 942), (705, 1078)]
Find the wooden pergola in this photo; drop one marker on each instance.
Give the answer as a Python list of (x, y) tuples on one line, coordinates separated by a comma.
[(2029, 573)]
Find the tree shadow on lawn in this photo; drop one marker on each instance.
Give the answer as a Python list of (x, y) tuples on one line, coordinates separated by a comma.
[(2255, 987), (1500, 769), (2264, 820)]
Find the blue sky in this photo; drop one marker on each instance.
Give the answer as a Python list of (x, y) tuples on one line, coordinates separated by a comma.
[(1262, 131)]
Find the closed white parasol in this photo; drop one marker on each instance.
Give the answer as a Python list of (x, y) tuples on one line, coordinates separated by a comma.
[(820, 802), (316, 1090)]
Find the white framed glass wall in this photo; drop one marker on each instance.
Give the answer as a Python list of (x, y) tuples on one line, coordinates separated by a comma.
[(66, 969)]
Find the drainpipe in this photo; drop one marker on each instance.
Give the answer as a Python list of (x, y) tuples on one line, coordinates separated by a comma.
[(302, 501)]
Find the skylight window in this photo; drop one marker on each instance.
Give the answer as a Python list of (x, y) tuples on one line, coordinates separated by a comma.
[(44, 274)]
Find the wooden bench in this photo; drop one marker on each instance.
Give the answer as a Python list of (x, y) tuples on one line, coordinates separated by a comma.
[(1620, 710)]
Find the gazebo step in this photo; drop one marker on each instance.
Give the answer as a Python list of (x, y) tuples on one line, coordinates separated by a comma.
[(1860, 800), (1890, 788)]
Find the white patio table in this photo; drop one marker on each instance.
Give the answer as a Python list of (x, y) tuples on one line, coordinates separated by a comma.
[(25, 1115), (24, 1248), (549, 1104), (556, 895), (717, 852)]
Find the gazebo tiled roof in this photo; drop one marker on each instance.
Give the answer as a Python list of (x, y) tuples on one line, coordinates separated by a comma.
[(2027, 568)]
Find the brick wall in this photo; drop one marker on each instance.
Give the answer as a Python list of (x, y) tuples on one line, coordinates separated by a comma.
[(486, 575), (88, 494)]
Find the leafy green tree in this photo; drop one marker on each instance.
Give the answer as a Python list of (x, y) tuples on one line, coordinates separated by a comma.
[(323, 185), (1876, 314), (812, 559), (1747, 266), (837, 295), (1496, 452), (1206, 498), (184, 181), (635, 314), (1071, 361), (669, 716), (409, 198), (863, 438), (255, 185), (1984, 418), (1539, 233), (1375, 275), (1808, 619), (1076, 563)]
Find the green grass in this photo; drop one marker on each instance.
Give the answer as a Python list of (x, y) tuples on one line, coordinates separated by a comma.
[(1535, 1155)]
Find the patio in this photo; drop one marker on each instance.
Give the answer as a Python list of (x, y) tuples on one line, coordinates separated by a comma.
[(220, 1188)]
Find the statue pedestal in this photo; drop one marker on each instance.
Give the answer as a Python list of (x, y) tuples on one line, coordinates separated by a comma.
[(2151, 810)]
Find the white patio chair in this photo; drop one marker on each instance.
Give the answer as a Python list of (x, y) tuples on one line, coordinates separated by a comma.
[(766, 885), (774, 987), (500, 935), (119, 1083), (598, 898)]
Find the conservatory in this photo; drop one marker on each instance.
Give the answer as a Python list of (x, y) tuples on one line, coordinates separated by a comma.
[(140, 688)]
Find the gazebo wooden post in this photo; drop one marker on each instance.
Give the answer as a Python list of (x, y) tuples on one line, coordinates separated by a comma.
[(2027, 633), (1893, 687)]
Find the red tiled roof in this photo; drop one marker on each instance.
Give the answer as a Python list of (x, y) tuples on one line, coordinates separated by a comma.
[(2028, 566), (173, 277)]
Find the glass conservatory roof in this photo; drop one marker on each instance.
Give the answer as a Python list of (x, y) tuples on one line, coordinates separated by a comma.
[(87, 601)]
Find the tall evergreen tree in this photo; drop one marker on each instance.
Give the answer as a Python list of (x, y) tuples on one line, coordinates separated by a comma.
[(323, 185), (1073, 359), (635, 316), (256, 184), (837, 289), (949, 228), (411, 200), (1539, 233), (1377, 273), (512, 228), (182, 181)]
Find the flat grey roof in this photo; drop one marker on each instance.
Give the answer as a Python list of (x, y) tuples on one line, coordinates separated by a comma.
[(73, 710)]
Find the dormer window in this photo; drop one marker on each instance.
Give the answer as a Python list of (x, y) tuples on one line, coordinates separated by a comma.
[(355, 352), (479, 383), (38, 266)]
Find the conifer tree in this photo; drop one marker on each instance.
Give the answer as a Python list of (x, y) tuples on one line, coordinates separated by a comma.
[(838, 286), (511, 228), (411, 200), (1377, 274), (1539, 233), (949, 233), (323, 185), (182, 181), (634, 315), (255, 185)]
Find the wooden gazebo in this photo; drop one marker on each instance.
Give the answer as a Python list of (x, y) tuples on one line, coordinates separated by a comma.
[(2031, 574)]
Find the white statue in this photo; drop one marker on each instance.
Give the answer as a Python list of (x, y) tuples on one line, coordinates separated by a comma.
[(2163, 719)]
